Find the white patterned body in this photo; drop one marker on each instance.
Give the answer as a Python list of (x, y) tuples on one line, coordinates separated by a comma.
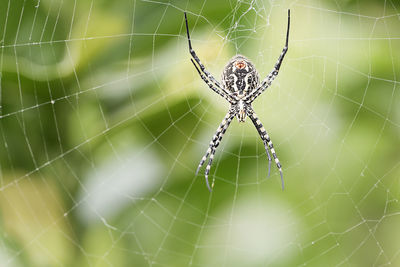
[(240, 78)]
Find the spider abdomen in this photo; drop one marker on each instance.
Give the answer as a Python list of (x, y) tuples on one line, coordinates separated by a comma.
[(240, 76)]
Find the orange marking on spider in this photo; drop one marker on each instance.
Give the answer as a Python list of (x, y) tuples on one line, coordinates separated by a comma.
[(240, 64)]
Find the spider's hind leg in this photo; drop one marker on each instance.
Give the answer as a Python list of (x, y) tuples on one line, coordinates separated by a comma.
[(203, 160), (214, 144), (267, 141), (269, 157)]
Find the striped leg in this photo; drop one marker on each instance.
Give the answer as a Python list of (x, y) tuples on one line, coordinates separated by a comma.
[(265, 137), (214, 144), (269, 157), (212, 87), (270, 78), (264, 86), (202, 68), (213, 149)]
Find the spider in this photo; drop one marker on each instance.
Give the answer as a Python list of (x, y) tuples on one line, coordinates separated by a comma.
[(240, 87)]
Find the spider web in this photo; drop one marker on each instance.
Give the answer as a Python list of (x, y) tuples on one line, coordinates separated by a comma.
[(104, 119)]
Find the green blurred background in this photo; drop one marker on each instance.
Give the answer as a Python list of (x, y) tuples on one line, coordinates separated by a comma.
[(103, 121)]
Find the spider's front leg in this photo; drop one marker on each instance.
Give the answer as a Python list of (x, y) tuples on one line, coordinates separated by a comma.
[(207, 77), (212, 87), (214, 144), (267, 141), (272, 75), (196, 58)]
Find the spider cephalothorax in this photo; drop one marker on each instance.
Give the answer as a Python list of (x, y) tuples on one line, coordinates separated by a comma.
[(240, 87)]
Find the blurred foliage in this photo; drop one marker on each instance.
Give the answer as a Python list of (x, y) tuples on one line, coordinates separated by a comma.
[(103, 121)]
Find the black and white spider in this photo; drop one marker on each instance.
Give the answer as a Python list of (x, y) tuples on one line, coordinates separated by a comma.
[(240, 87)]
